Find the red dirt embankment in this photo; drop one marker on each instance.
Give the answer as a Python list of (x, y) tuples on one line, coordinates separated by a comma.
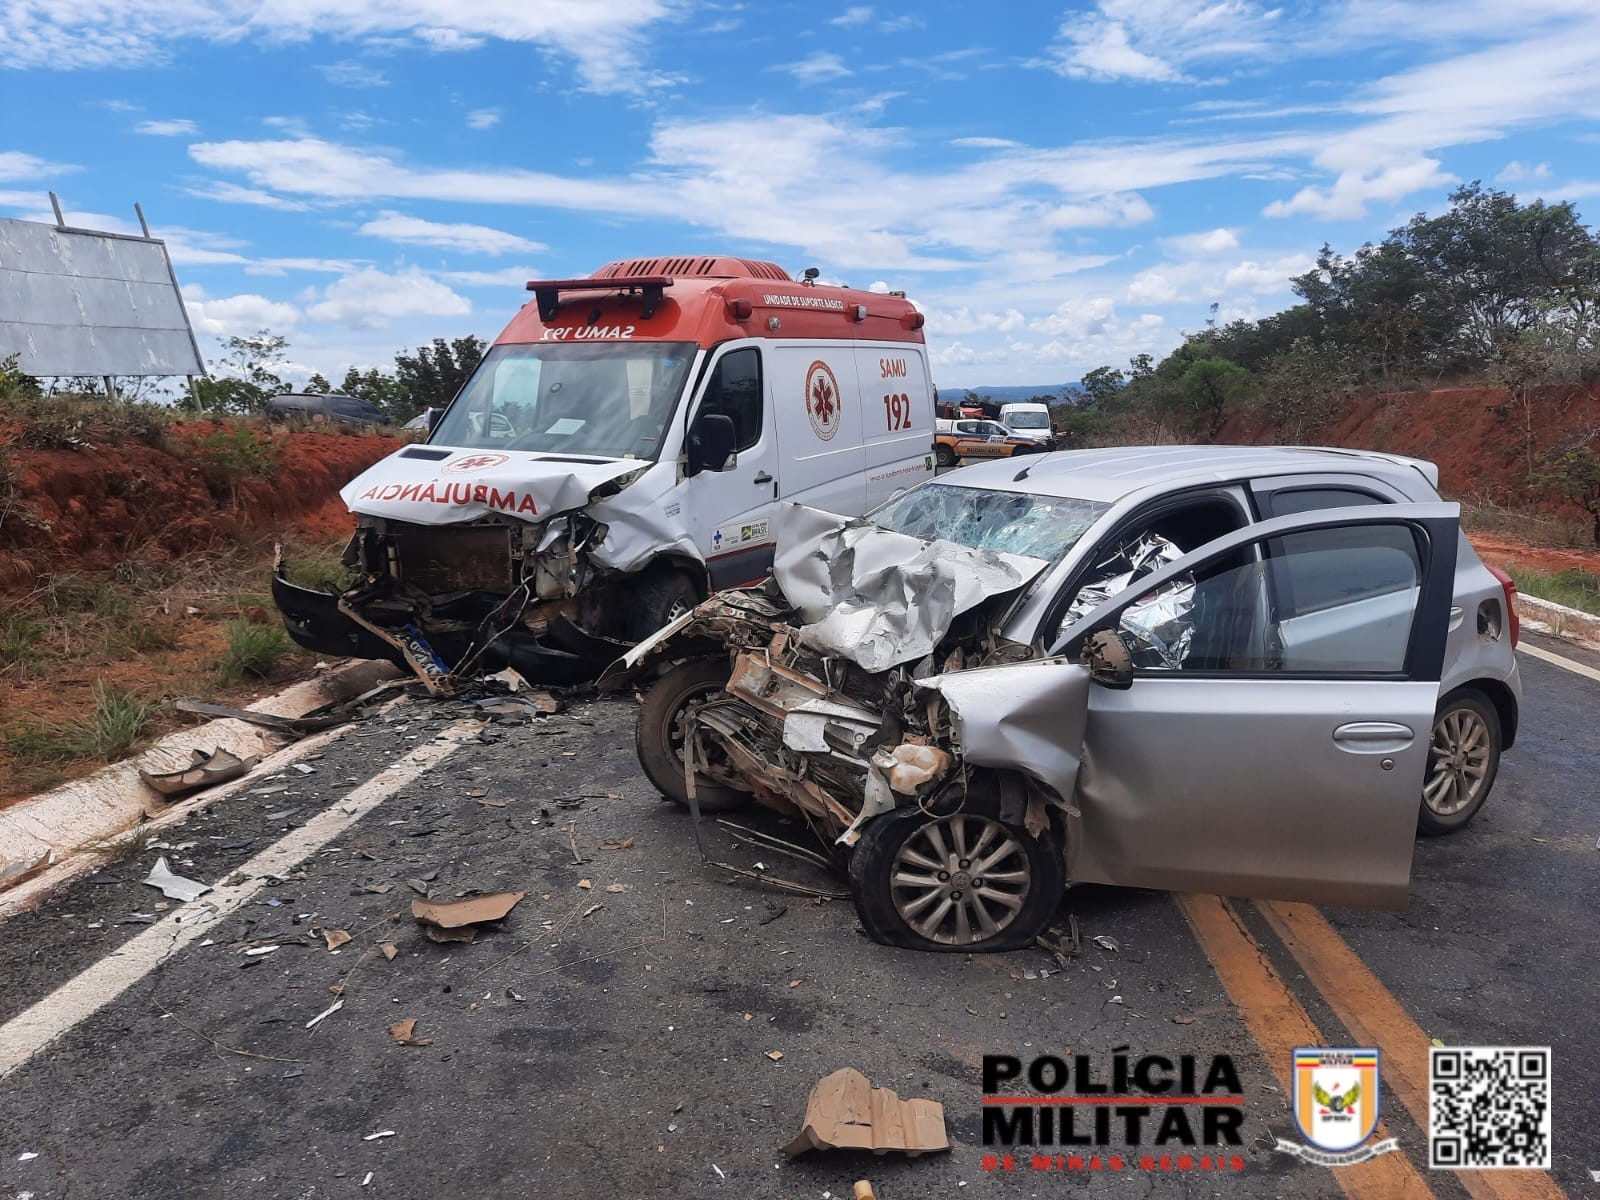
[(1474, 434), (90, 509)]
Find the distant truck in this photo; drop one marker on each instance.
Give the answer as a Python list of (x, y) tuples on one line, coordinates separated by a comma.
[(619, 454), (1029, 420)]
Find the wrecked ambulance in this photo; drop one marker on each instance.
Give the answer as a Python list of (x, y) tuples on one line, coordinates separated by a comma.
[(1234, 670), (616, 457)]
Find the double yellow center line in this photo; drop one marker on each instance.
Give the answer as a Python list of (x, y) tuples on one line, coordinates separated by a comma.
[(1278, 1023)]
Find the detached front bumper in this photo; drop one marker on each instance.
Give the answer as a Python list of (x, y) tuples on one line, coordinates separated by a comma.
[(314, 621), (565, 654)]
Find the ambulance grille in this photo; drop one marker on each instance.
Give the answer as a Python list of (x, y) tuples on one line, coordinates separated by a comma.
[(701, 266)]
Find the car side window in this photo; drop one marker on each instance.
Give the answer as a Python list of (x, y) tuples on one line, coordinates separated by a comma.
[(1335, 601), (1290, 501), (735, 391)]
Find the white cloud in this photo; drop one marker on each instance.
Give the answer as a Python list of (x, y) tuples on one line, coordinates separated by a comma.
[(232, 193), (985, 143), (816, 68), (858, 14), (372, 299), (16, 165), (483, 118), (1196, 245), (181, 127), (949, 323), (469, 239), (1207, 279), (350, 73), (606, 39), (1347, 199), (1518, 172), (1155, 41), (502, 277), (228, 316)]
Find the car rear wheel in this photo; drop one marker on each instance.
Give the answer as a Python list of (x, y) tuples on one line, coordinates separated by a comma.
[(663, 728), (1463, 759), (961, 883), (944, 456)]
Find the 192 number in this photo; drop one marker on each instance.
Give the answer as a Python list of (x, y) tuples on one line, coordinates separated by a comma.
[(897, 410)]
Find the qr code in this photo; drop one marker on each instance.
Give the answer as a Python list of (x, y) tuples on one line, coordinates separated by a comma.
[(1489, 1107)]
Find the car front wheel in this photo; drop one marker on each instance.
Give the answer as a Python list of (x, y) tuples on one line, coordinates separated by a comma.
[(944, 456), (961, 883), (1463, 759), (664, 727)]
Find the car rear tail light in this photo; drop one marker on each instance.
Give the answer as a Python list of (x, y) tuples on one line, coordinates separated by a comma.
[(1509, 587)]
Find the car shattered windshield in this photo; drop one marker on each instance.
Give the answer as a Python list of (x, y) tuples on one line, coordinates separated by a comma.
[(612, 399), (1043, 527)]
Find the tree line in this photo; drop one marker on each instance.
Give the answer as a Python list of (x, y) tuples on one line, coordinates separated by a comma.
[(1489, 291), (427, 377)]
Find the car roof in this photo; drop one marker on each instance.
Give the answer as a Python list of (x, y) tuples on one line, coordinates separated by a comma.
[(1114, 472)]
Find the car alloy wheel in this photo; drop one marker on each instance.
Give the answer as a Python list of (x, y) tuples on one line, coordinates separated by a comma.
[(1458, 767), (960, 879)]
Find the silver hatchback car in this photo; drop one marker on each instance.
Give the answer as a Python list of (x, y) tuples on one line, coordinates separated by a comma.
[(1255, 671)]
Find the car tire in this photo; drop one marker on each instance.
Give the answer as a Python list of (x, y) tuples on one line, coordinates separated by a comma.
[(659, 598), (658, 736), (897, 844), (944, 456), (1463, 760)]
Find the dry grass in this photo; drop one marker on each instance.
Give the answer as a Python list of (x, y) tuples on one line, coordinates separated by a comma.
[(1481, 514)]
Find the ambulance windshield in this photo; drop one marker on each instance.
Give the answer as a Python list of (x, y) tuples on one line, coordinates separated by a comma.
[(610, 399)]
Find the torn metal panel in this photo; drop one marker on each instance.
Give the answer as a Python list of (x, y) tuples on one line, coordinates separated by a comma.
[(879, 598), (204, 770), (1026, 717), (643, 521), (174, 887)]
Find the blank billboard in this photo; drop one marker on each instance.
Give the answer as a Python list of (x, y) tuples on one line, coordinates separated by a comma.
[(79, 302)]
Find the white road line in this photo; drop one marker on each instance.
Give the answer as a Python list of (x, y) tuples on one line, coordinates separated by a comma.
[(81, 997), (1577, 668)]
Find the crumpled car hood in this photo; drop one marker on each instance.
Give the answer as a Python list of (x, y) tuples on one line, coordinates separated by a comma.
[(476, 483), (880, 598)]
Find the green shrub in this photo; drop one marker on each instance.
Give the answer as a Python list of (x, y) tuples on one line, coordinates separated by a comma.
[(231, 453), (254, 651), (117, 725), (1576, 588)]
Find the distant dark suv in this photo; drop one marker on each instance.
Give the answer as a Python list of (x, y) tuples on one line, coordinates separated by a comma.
[(317, 407)]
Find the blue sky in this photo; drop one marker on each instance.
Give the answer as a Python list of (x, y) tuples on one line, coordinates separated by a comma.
[(1057, 185)]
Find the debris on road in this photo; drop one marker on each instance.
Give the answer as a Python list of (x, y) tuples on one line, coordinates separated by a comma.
[(845, 1112), (327, 1012), (389, 950), (335, 938), (258, 951), (204, 770), (1106, 943), (382, 1133), (27, 1156), (774, 1055), (592, 909), (13, 873), (300, 726), (174, 887), (863, 1190), (367, 1180), (457, 920), (404, 1033)]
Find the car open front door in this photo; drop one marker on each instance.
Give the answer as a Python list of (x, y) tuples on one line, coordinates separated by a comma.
[(1274, 735)]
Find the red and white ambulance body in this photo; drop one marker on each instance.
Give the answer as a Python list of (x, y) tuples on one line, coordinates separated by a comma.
[(617, 455)]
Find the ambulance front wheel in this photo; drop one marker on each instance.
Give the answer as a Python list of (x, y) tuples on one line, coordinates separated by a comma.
[(661, 597)]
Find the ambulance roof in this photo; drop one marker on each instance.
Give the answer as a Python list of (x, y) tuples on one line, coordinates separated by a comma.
[(706, 299)]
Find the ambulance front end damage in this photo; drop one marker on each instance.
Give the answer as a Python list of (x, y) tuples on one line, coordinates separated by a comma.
[(469, 562)]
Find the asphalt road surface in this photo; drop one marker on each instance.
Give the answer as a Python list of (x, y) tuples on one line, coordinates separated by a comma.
[(642, 1024)]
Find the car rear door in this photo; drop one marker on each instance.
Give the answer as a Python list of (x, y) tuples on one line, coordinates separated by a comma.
[(1273, 739)]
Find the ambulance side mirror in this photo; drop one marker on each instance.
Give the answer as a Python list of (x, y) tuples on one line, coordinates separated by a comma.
[(711, 440)]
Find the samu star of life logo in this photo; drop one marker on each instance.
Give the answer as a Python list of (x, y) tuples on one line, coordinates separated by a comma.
[(476, 462), (1336, 1098), (824, 404)]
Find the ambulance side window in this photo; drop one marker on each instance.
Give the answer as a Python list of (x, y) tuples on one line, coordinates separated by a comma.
[(735, 390)]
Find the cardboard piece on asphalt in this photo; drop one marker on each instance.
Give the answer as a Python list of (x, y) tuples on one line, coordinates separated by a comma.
[(845, 1112), (456, 920)]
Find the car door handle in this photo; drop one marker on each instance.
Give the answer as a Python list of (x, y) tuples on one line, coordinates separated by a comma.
[(763, 478), (1373, 737)]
